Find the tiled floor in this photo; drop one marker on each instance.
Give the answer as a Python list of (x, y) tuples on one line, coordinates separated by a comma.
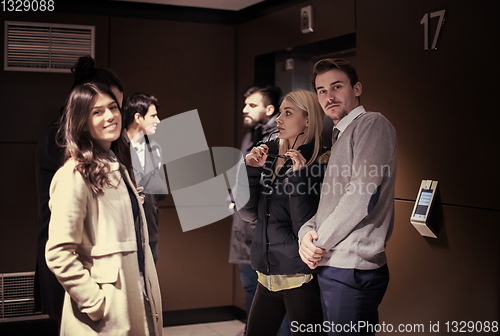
[(226, 328)]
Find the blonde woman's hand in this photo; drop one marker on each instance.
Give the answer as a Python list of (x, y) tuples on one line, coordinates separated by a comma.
[(297, 159), (257, 156)]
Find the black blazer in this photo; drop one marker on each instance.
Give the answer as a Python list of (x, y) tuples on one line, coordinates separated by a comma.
[(48, 292)]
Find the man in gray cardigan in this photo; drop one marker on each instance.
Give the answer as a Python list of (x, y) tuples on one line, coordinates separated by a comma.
[(355, 216)]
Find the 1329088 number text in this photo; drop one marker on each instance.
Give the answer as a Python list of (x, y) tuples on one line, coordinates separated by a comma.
[(471, 326), (28, 5)]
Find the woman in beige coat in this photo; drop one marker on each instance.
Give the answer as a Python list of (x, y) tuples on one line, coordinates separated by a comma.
[(97, 245)]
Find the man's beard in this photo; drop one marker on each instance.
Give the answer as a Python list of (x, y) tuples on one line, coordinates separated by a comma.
[(249, 123)]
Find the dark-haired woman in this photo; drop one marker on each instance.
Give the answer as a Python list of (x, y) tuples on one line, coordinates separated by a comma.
[(48, 293), (284, 177), (97, 245)]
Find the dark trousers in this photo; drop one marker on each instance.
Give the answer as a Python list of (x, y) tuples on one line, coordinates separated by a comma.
[(154, 249), (351, 297), (302, 305), (249, 279)]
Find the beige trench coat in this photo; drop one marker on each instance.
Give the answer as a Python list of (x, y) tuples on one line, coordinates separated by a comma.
[(92, 250)]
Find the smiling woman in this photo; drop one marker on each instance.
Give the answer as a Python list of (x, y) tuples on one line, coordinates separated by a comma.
[(89, 132), (98, 246), (105, 122)]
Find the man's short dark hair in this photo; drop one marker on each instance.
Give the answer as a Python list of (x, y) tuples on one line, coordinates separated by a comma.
[(137, 103), (328, 64), (271, 95)]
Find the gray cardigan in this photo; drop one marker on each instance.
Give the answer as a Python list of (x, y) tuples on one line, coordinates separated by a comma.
[(356, 212)]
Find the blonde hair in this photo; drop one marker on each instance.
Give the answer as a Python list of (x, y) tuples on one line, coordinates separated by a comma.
[(307, 101)]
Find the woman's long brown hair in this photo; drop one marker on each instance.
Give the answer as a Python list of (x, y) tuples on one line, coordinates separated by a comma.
[(92, 160)]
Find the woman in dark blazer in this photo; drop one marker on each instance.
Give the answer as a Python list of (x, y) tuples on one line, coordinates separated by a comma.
[(284, 179)]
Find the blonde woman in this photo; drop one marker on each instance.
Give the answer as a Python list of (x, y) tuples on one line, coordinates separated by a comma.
[(98, 238), (287, 195)]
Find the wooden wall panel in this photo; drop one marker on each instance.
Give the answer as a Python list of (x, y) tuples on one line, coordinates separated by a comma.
[(31, 100), (19, 208), (452, 278), (193, 266), (186, 66), (440, 101)]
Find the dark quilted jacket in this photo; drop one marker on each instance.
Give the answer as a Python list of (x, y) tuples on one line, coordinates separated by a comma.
[(279, 208)]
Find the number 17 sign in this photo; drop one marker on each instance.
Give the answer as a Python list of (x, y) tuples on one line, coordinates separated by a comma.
[(425, 22)]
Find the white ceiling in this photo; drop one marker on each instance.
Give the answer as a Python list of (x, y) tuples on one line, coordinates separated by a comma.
[(234, 5)]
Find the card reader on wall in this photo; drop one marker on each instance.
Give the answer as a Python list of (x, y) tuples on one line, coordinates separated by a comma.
[(420, 215)]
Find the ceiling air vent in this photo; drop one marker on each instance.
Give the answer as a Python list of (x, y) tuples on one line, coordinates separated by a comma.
[(46, 47)]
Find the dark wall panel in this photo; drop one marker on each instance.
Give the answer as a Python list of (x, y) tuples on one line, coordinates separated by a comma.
[(19, 208), (31, 100), (440, 101), (452, 278), (193, 266), (186, 65)]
